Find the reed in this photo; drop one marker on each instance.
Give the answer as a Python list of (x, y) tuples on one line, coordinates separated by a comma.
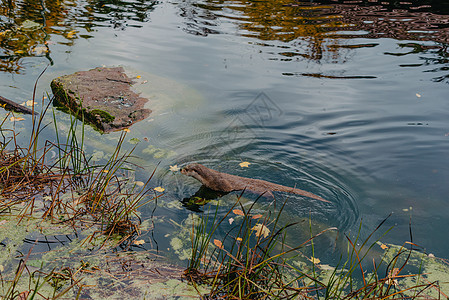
[(253, 261)]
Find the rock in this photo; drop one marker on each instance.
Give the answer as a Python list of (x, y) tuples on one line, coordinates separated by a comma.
[(102, 96)]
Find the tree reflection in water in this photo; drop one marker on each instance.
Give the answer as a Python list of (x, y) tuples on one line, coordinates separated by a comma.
[(26, 26)]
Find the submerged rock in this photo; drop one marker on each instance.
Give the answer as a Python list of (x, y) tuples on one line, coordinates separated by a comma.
[(102, 96)]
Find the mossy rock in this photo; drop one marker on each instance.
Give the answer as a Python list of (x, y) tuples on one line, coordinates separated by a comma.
[(101, 97)]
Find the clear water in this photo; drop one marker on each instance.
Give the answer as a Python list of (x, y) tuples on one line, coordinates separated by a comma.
[(347, 101)]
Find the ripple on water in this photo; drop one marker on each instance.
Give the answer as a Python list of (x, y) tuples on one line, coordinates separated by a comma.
[(275, 162)]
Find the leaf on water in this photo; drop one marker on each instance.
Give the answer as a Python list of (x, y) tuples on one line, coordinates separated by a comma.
[(418, 95), (244, 164), (138, 76), (159, 189), (238, 212), (13, 119), (71, 34), (257, 216), (261, 229), (239, 239), (174, 168), (231, 220), (139, 242), (315, 260), (19, 52), (383, 246), (40, 50), (30, 103), (134, 141), (140, 183), (30, 25), (105, 171), (218, 244), (126, 130)]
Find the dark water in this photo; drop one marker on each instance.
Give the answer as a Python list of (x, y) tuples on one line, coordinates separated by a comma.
[(346, 100)]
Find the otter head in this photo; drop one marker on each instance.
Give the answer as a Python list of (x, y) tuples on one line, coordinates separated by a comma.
[(195, 170)]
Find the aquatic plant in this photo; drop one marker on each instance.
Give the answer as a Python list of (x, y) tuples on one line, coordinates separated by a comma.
[(253, 261)]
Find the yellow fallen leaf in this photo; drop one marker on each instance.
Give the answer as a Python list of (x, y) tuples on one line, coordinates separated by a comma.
[(71, 34), (105, 171), (244, 164), (13, 119), (261, 229), (19, 52), (218, 244), (174, 168), (257, 216), (383, 246), (138, 76), (30, 103), (315, 260), (140, 183), (239, 239), (126, 130), (238, 212), (159, 189), (139, 242)]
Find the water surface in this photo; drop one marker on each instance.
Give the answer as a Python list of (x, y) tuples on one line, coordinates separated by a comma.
[(345, 100)]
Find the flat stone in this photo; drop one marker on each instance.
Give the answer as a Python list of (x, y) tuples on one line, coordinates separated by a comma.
[(102, 96)]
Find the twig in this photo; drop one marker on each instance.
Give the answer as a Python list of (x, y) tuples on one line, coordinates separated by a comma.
[(11, 105)]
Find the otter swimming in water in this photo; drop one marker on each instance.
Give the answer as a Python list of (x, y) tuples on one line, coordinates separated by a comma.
[(223, 182)]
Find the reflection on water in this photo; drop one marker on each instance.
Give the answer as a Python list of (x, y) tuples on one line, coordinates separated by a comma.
[(345, 99), (325, 30), (27, 27)]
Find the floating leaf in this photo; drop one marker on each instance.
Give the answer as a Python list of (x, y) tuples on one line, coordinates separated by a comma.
[(134, 141), (159, 189), (174, 168), (383, 246), (315, 260), (126, 130), (238, 212), (231, 220), (261, 229), (71, 34), (138, 76), (105, 171), (218, 244), (13, 119), (244, 164), (139, 242), (30, 103), (257, 216), (19, 52), (30, 25), (140, 183), (239, 239), (418, 95), (40, 50)]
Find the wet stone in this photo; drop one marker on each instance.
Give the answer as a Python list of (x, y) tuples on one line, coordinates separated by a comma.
[(102, 96)]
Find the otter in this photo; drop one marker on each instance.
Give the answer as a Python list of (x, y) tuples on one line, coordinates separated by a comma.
[(223, 182)]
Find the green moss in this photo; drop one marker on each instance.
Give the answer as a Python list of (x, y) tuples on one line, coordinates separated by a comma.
[(105, 116)]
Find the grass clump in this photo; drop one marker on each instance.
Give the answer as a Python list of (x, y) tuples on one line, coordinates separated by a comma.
[(253, 261)]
